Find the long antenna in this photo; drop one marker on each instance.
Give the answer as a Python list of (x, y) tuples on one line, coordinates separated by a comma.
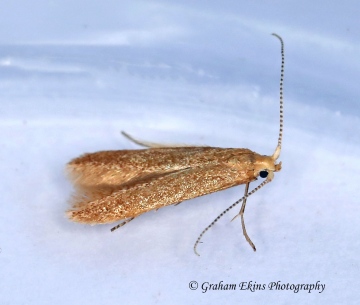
[(278, 148), (227, 210), (274, 156)]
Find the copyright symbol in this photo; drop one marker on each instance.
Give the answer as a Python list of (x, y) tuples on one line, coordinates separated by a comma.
[(193, 285)]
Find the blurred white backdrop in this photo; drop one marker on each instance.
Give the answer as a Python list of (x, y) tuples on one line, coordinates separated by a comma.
[(73, 74)]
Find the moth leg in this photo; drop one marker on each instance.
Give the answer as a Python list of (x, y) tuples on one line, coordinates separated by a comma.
[(152, 144), (122, 224), (241, 213), (244, 202)]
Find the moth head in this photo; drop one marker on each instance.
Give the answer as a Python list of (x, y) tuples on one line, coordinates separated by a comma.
[(265, 166)]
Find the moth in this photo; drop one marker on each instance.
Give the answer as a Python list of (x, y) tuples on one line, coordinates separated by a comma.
[(121, 185)]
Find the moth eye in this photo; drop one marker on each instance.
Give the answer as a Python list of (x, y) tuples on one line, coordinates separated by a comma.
[(264, 174)]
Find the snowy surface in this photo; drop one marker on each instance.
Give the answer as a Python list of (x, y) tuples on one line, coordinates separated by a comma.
[(73, 74)]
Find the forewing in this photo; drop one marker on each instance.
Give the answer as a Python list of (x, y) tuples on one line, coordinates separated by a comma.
[(105, 205), (118, 168)]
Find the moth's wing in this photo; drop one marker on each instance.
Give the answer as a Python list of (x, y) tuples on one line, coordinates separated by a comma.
[(117, 167), (114, 168), (105, 206)]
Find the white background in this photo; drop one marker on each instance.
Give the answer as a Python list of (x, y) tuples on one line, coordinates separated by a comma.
[(73, 74)]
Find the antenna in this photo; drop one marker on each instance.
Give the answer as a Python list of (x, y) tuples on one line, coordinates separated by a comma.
[(278, 148), (227, 210), (275, 156)]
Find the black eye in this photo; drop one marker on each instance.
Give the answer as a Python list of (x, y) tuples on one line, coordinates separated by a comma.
[(263, 174)]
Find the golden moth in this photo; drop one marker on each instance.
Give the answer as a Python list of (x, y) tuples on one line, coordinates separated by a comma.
[(123, 184)]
